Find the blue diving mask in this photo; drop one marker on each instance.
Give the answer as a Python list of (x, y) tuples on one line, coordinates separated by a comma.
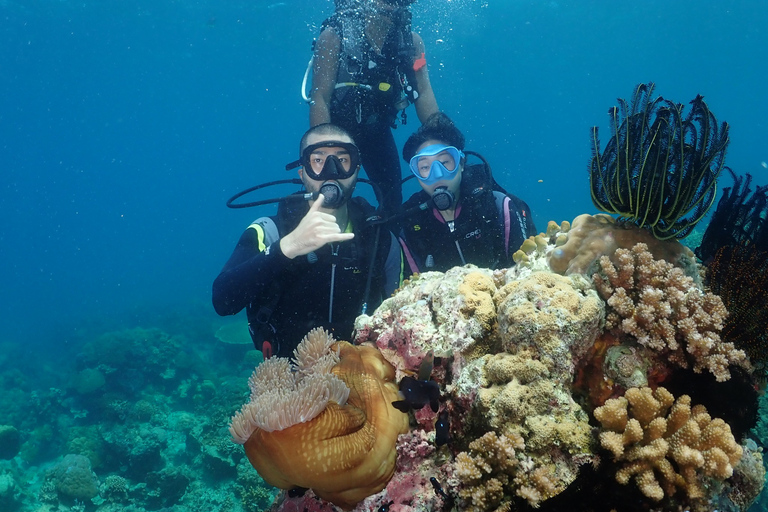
[(431, 170)]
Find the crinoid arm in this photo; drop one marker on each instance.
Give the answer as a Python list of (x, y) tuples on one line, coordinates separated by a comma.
[(659, 169)]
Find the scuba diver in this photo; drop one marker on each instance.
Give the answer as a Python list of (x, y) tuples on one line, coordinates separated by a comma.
[(367, 66), (319, 262), (461, 215)]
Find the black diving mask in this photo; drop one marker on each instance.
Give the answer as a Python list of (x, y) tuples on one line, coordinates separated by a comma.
[(321, 165)]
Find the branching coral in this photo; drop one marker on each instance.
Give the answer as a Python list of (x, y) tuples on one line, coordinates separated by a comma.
[(663, 309), (487, 469), (665, 444), (659, 170)]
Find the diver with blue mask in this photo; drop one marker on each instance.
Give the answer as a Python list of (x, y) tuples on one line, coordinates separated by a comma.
[(461, 215), (319, 262)]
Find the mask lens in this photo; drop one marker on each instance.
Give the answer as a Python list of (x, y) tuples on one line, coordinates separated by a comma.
[(331, 159), (436, 162)]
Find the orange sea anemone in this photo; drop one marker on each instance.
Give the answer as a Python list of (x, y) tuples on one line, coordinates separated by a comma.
[(347, 452)]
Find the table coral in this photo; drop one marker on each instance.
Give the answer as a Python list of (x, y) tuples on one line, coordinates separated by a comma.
[(656, 303), (666, 444)]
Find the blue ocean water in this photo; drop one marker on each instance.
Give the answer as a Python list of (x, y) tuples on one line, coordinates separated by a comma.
[(125, 126)]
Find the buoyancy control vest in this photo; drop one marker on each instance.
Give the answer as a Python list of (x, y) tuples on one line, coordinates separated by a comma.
[(372, 87), (489, 221), (324, 288)]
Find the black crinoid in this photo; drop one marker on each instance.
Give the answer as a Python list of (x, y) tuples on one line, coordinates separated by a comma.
[(739, 219), (739, 275), (659, 170)]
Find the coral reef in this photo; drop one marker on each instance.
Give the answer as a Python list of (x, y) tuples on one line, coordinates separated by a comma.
[(661, 307), (343, 452), (10, 441), (667, 445), (504, 365), (74, 479)]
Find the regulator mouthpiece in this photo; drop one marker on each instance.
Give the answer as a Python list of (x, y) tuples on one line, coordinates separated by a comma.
[(334, 196), (443, 198)]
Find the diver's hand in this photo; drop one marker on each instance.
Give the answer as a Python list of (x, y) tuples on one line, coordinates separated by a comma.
[(314, 231)]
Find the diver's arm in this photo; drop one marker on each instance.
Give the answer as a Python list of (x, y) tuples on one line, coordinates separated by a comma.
[(324, 71), (426, 103), (248, 272)]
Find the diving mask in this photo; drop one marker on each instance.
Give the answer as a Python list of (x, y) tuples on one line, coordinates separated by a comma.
[(436, 162), (320, 165)]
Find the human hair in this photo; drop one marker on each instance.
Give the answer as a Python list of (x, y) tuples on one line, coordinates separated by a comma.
[(438, 126), (323, 129)]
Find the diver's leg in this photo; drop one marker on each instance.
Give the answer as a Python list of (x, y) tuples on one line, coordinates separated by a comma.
[(382, 164)]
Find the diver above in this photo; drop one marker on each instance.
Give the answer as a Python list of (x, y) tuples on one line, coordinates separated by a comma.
[(461, 215), (368, 65), (317, 263)]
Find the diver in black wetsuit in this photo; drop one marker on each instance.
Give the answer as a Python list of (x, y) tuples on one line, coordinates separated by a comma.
[(367, 66), (462, 219), (309, 265)]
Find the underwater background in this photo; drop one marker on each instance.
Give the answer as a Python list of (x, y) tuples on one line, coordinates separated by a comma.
[(126, 125)]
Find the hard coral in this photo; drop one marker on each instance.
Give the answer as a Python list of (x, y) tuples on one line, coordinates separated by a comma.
[(445, 313), (556, 317), (346, 452), (593, 236), (487, 469), (665, 311), (667, 445), (74, 479)]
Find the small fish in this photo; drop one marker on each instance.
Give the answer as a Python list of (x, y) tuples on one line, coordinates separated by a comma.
[(426, 366), (418, 393), (442, 429), (448, 501), (297, 492), (385, 507)]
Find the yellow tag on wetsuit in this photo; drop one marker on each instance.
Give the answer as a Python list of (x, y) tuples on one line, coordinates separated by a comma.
[(384, 86)]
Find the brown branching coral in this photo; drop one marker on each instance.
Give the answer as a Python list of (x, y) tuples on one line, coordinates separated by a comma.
[(486, 469), (739, 275), (491, 467), (666, 444), (665, 311)]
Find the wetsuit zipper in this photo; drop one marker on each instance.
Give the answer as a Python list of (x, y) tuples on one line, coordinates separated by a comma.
[(335, 252), (458, 247)]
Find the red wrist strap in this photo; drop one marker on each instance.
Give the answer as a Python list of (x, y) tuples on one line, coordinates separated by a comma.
[(420, 62)]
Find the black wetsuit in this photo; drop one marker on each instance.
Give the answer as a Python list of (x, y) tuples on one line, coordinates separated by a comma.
[(487, 230), (285, 298), (367, 108)]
